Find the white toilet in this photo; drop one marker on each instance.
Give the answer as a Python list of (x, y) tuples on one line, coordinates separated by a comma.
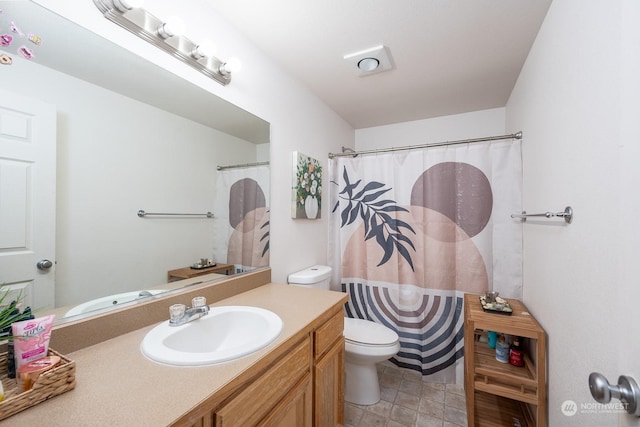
[(366, 343)]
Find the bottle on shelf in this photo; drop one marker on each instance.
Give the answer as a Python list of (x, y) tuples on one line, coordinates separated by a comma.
[(516, 357), (502, 349), (492, 337)]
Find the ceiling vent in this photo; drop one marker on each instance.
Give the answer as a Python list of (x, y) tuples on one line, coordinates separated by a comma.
[(370, 61)]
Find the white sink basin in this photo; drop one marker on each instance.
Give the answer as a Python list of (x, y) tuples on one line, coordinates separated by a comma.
[(226, 333), (108, 301)]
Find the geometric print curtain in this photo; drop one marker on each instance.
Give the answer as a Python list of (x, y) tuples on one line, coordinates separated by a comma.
[(242, 217), (412, 231)]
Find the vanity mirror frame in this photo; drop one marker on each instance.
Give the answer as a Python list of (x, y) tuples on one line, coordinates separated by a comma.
[(233, 121)]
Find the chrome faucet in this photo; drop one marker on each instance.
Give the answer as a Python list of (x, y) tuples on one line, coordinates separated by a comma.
[(180, 314)]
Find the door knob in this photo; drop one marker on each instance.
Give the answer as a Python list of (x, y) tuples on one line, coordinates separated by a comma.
[(44, 264), (627, 391)]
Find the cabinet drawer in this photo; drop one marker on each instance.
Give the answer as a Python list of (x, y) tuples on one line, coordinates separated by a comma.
[(327, 334), (255, 401)]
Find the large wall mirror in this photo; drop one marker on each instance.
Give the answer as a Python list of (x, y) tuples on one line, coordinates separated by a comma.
[(127, 136)]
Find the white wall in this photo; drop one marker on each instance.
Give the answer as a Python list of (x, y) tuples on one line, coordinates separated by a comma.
[(447, 128), (299, 120), (110, 164), (581, 149)]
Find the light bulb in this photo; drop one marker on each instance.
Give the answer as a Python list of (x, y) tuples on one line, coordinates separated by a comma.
[(173, 27), (233, 65), (126, 5), (205, 48)]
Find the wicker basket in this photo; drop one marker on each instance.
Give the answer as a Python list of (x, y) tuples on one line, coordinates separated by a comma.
[(51, 383)]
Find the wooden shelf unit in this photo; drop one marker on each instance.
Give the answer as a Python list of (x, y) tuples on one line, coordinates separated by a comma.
[(188, 272), (496, 392)]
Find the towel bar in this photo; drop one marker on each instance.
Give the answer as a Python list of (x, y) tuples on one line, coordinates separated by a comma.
[(567, 214), (142, 214)]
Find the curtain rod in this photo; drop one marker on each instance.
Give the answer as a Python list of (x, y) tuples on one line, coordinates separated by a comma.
[(243, 165), (349, 152)]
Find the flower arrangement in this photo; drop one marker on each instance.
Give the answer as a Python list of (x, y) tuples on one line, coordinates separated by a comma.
[(308, 180)]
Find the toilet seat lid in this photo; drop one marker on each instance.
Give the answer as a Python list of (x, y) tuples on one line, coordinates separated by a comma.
[(368, 332)]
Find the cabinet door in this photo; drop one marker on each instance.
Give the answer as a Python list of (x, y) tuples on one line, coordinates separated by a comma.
[(329, 387), (259, 398), (295, 409), (205, 421)]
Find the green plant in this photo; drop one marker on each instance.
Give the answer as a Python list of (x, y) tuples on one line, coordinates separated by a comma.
[(9, 312)]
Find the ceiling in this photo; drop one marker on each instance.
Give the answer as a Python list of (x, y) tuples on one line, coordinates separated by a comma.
[(448, 56)]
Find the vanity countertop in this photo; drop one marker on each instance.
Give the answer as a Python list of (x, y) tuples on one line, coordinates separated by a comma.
[(118, 386)]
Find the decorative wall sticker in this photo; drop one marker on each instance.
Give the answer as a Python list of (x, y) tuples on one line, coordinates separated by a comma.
[(26, 52), (5, 60), (15, 29), (35, 38), (306, 189), (6, 39)]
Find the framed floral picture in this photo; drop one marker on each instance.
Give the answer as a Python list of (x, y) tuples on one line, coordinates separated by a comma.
[(306, 191)]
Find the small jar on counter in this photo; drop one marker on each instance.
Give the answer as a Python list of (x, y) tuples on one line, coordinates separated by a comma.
[(29, 373)]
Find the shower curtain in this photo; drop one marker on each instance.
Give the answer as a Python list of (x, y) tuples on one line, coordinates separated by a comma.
[(241, 221), (412, 231)]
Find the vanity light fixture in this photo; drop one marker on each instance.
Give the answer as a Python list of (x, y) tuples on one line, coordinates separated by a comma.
[(173, 27), (125, 5), (168, 36), (233, 65), (205, 48)]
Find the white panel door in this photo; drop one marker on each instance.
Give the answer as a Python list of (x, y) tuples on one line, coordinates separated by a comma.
[(27, 197)]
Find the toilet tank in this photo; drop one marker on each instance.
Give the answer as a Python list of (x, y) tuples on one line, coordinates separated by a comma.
[(317, 277)]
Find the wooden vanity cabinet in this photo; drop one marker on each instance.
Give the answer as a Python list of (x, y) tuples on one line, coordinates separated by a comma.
[(301, 385), (285, 384), (295, 409), (328, 373)]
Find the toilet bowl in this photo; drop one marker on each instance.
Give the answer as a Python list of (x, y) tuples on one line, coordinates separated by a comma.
[(366, 343)]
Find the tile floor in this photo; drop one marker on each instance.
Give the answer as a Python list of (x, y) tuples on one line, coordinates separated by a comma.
[(408, 401)]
